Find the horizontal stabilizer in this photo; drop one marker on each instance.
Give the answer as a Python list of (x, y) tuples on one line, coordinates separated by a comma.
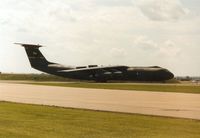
[(29, 45)]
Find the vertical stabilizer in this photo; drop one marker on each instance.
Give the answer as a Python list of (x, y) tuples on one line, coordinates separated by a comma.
[(37, 60)]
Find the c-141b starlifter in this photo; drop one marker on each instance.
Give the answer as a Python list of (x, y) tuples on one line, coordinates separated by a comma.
[(94, 72)]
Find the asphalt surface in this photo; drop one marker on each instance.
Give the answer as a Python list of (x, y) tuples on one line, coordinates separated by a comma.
[(180, 105)]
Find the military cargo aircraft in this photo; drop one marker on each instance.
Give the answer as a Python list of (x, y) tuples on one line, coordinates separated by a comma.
[(94, 72)]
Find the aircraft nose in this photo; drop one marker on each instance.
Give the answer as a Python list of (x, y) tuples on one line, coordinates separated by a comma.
[(167, 74), (170, 75)]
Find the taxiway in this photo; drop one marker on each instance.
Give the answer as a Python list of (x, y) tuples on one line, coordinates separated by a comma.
[(150, 103)]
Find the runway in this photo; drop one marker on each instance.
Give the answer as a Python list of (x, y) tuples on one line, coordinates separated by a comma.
[(150, 103)]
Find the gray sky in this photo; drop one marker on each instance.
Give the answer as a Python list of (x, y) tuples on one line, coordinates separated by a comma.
[(104, 32)]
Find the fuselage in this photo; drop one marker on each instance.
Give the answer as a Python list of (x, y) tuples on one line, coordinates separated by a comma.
[(153, 73), (148, 74)]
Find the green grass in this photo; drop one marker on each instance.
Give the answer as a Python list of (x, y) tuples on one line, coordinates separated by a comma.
[(32, 77), (32, 121), (119, 86), (131, 86), (48, 77)]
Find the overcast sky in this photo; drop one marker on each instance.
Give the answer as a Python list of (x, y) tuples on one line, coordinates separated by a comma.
[(104, 32)]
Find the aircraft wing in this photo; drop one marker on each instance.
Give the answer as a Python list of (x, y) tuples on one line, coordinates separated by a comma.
[(107, 69)]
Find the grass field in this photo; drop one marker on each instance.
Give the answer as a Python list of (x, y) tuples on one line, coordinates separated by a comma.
[(32, 121), (32, 77), (131, 86), (46, 77), (172, 86)]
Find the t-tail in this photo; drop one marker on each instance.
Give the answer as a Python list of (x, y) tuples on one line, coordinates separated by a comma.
[(37, 60)]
